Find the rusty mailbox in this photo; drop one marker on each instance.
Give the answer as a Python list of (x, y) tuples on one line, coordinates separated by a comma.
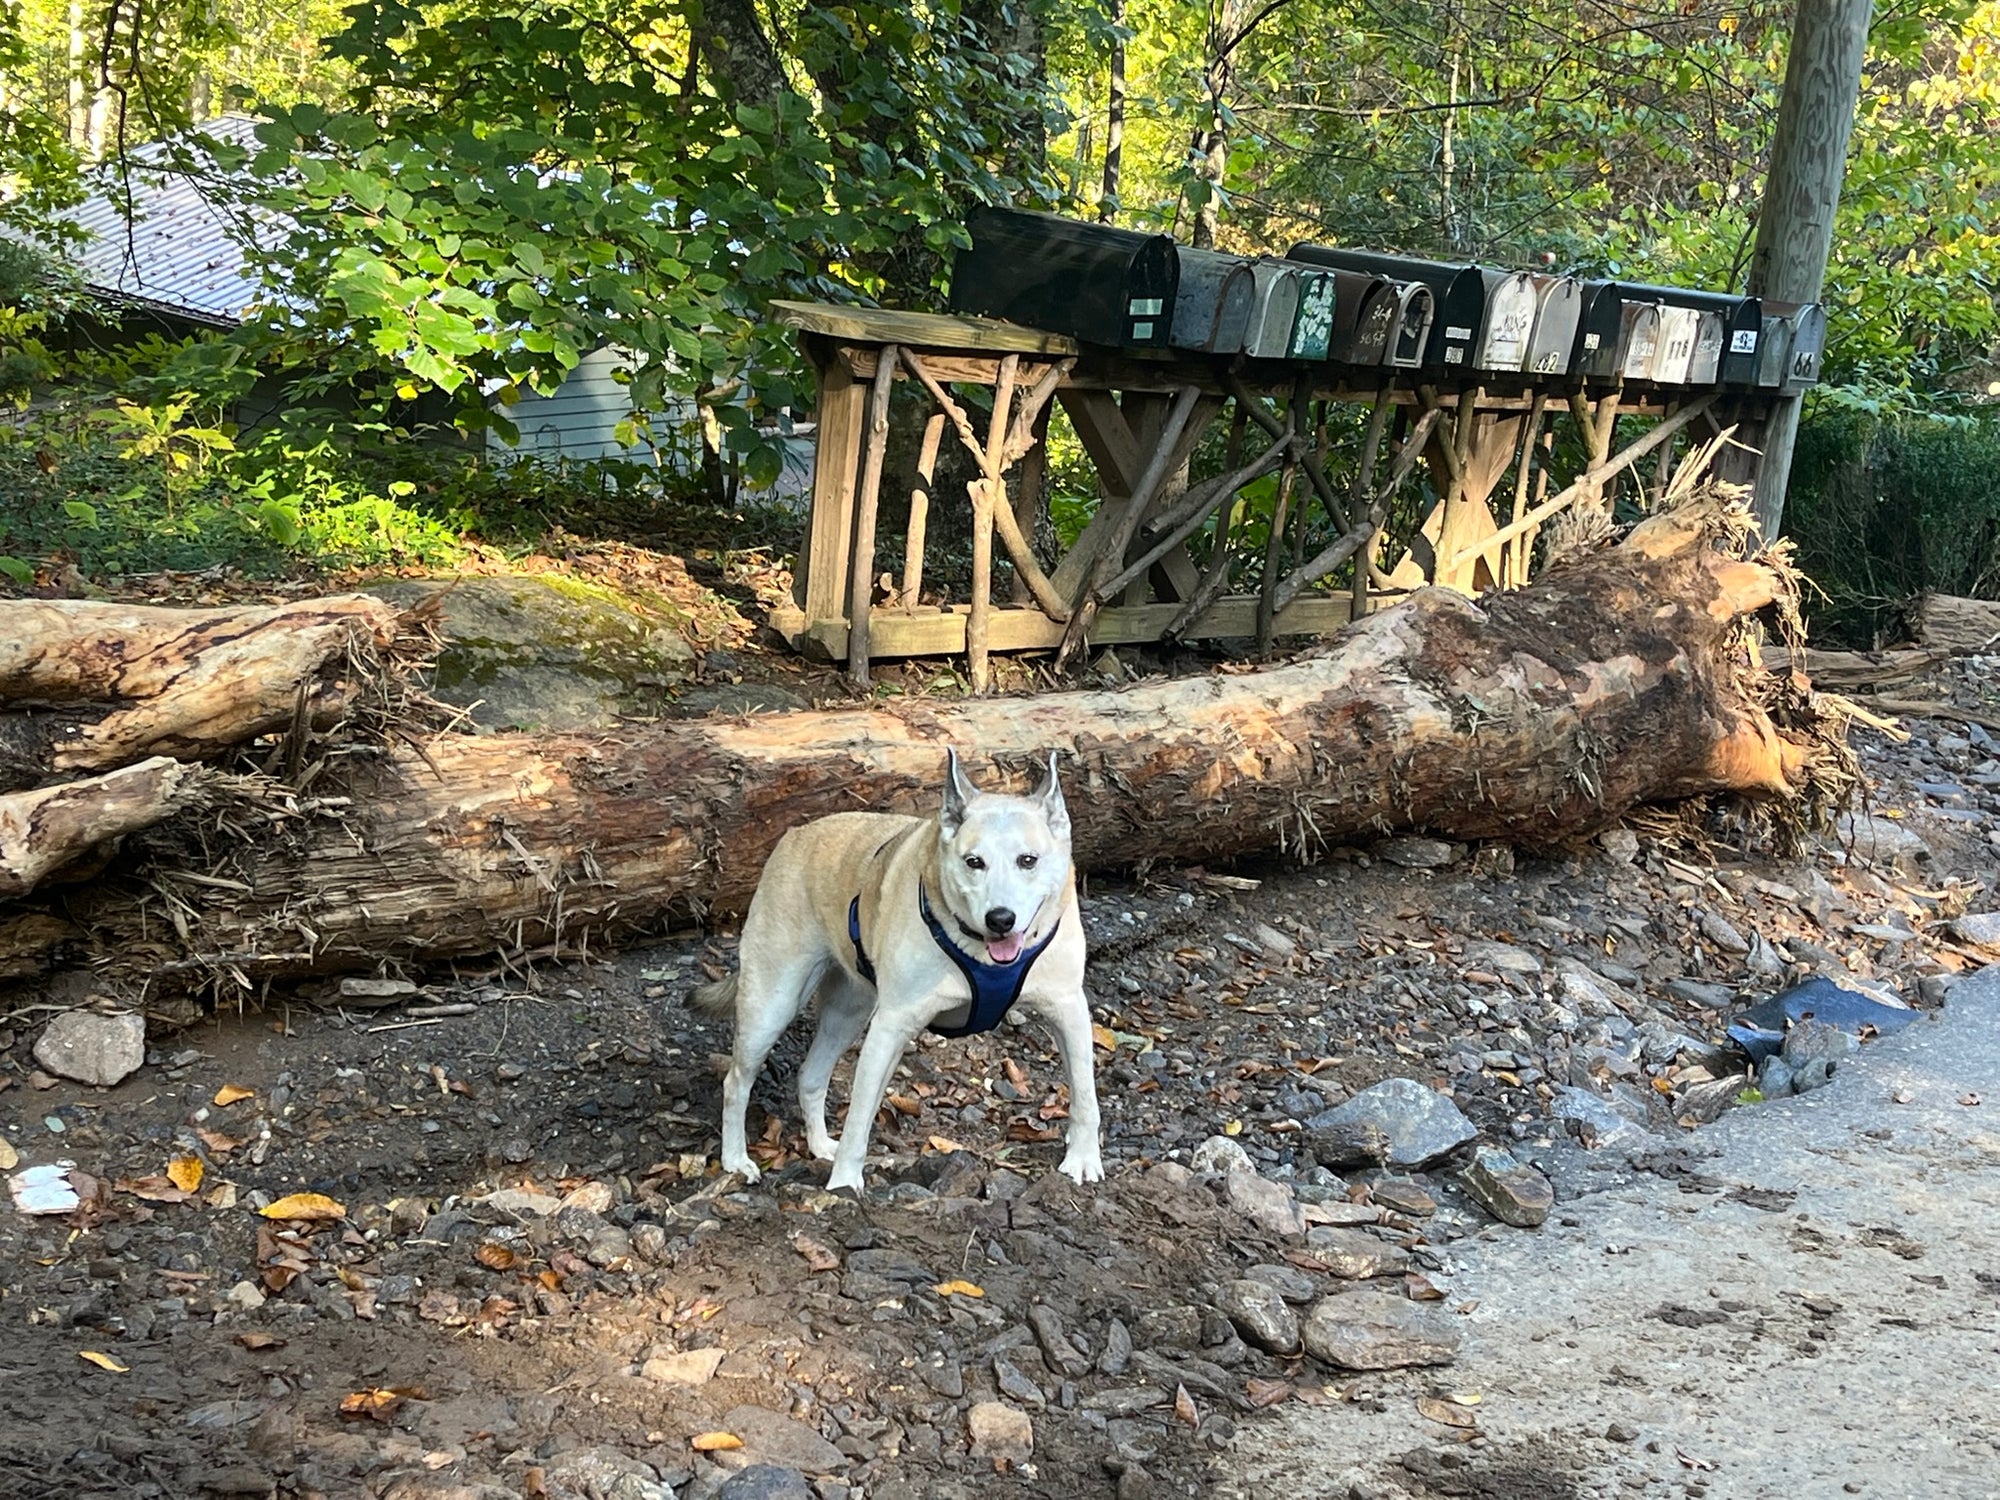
[(1212, 303)]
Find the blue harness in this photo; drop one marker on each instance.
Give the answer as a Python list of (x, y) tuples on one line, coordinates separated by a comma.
[(995, 987)]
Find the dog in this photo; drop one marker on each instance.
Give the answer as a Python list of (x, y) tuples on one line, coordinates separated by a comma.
[(900, 923)]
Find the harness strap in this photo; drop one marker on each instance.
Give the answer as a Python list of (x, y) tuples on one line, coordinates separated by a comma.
[(995, 987), (861, 964)]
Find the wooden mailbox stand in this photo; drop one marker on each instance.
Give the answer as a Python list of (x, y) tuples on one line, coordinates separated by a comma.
[(1140, 414)]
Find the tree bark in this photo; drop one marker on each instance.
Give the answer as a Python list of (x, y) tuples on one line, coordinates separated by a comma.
[(1535, 717), (735, 51), (1114, 121)]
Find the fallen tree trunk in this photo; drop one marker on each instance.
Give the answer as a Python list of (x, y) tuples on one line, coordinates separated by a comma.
[(1534, 717), (86, 686)]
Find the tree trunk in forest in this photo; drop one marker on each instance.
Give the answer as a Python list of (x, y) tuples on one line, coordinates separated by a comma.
[(734, 50), (1211, 146), (1535, 716), (1114, 121)]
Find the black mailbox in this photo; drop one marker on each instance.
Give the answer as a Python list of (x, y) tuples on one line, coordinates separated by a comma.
[(1090, 281), (1212, 302), (1459, 294), (1597, 331), (1364, 316), (1742, 325)]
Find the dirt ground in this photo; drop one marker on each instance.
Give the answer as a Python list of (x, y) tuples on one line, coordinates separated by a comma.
[(532, 1281)]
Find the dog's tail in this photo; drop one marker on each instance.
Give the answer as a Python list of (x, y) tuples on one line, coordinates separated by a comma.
[(717, 999)]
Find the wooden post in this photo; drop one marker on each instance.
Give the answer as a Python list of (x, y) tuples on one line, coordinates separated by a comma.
[(1032, 503), (1296, 415), (1801, 192), (987, 494), (861, 580), (822, 585), (920, 508)]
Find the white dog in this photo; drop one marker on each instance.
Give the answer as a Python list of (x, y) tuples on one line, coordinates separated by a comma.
[(902, 923)]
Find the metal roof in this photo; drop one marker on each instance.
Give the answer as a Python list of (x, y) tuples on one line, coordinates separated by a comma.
[(179, 251)]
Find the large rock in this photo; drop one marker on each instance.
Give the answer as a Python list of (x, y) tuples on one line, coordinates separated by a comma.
[(602, 1474), (771, 1438), (766, 1482), (1981, 928), (998, 1430), (1364, 1330), (1883, 840), (1259, 1312), (549, 651), (1355, 1254), (1422, 1125), (1267, 1204), (1512, 1191), (91, 1048)]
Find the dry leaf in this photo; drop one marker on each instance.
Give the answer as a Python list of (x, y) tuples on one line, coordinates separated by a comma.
[(185, 1172), (819, 1256), (154, 1189), (379, 1404), (535, 1483), (1689, 1461), (222, 1195), (943, 1145), (1016, 1074), (1269, 1392), (260, 1341), (958, 1289), (1184, 1407), (495, 1257), (714, 1442), (1421, 1288), (9, 1157), (1446, 1413), (102, 1361), (1105, 1037), (218, 1144), (316, 1207), (230, 1093)]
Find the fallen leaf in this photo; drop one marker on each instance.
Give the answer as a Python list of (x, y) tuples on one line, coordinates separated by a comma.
[(819, 1256), (1689, 1461), (1421, 1288), (1268, 1392), (535, 1483), (1105, 1037), (260, 1341), (102, 1361), (315, 1207), (903, 1105), (1016, 1074), (1184, 1407), (185, 1172), (218, 1144), (222, 1195), (154, 1189), (1446, 1413), (231, 1093), (495, 1257), (1025, 1130), (958, 1289), (381, 1403), (9, 1157), (714, 1442), (943, 1145)]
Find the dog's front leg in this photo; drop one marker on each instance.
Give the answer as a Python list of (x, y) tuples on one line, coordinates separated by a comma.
[(889, 1036), (1070, 1016)]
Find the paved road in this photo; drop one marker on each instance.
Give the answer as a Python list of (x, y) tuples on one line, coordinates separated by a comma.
[(1816, 1314)]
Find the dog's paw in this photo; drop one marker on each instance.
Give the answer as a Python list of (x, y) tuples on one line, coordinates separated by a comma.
[(822, 1150), (839, 1178), (1083, 1166), (742, 1167)]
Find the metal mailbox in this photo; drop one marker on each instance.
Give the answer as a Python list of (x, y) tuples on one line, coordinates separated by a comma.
[(1638, 339), (1742, 324), (1774, 345), (1679, 327), (1090, 281), (1364, 317), (1458, 295), (1312, 332), (1709, 340), (1510, 321), (1213, 301), (1273, 311), (1558, 305), (1600, 326), (1808, 343), (1416, 316)]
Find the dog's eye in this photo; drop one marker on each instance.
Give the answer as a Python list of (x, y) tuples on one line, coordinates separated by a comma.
[(1028, 861), (974, 862)]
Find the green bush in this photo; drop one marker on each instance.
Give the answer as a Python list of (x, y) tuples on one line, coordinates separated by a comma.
[(1884, 507)]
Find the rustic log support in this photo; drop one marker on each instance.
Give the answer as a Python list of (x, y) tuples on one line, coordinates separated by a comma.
[(861, 585)]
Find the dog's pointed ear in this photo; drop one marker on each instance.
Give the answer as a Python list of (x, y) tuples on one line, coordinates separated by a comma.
[(959, 793), (1051, 795)]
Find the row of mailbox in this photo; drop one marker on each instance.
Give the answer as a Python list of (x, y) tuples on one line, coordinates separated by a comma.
[(1125, 289)]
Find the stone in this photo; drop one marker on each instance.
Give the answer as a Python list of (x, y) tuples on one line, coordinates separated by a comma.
[(771, 1438), (1404, 1197), (549, 651), (1062, 1356), (1370, 1330), (1512, 1191), (1763, 958), (1260, 1315), (1716, 928), (1981, 929), (1169, 1328), (1219, 1156), (1811, 1040), (1775, 1077), (601, 1474), (522, 1202), (683, 1367), (1597, 1124), (1355, 1254), (766, 1482), (1016, 1385), (1343, 1145), (1422, 1125), (1415, 853), (1269, 1205), (1000, 1431), (1289, 1282), (1117, 1351), (1588, 992), (246, 1295), (592, 1197), (92, 1048), (1501, 958), (1701, 993), (1882, 840), (1620, 845)]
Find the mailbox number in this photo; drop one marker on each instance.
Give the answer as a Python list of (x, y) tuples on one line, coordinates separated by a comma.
[(1743, 341)]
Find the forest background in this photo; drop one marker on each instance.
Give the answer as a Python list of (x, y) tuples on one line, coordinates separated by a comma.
[(449, 204)]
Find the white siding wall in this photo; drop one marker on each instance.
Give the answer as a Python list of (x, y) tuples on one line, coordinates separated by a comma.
[(580, 418)]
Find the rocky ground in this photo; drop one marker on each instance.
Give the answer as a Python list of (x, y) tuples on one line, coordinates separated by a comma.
[(470, 1240)]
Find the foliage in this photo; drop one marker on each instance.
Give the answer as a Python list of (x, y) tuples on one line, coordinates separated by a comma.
[(1884, 507)]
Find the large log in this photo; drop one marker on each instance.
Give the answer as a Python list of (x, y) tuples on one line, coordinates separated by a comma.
[(85, 686), (1534, 717)]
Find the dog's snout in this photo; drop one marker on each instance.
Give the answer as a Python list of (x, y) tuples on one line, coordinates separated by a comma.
[(999, 921)]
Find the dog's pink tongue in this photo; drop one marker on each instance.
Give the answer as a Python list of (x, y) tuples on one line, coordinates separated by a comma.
[(1004, 950)]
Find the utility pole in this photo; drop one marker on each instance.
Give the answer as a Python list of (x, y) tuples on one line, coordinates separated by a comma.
[(1801, 192)]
